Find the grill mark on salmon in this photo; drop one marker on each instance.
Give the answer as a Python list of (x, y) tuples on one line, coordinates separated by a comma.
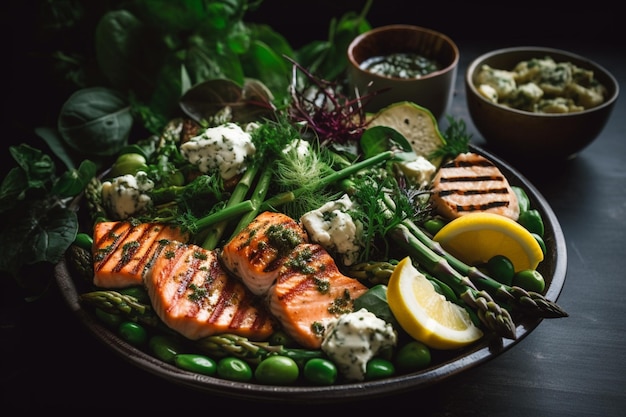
[(472, 183), (309, 292), (256, 253), (123, 251), (192, 294)]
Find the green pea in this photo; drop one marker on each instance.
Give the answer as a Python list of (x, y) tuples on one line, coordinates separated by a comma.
[(541, 242), (413, 356), (320, 371), (432, 226), (378, 368), (196, 363), (277, 370), (234, 369), (164, 347), (532, 221), (501, 269), (530, 280), (84, 241), (133, 333), (110, 320)]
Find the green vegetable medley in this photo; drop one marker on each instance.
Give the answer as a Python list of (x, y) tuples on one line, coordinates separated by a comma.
[(174, 73)]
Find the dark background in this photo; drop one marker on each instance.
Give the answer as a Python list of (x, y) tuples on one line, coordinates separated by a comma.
[(35, 87), (566, 367)]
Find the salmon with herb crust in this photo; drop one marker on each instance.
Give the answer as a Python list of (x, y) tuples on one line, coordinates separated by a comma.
[(257, 252), (472, 183), (193, 295), (310, 292), (123, 251)]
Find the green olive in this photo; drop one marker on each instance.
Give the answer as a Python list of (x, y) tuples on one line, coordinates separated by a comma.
[(128, 163), (501, 269), (234, 369), (133, 333), (277, 370), (320, 371), (530, 280), (196, 363), (413, 356), (164, 347), (378, 368)]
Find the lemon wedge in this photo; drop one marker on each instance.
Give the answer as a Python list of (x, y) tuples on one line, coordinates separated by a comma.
[(425, 314), (416, 123), (475, 238)]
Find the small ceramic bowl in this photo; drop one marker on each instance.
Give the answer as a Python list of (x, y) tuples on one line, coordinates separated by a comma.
[(433, 90), (526, 133)]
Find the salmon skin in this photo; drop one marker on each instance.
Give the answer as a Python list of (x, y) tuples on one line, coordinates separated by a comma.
[(310, 292), (124, 251), (192, 294), (472, 183), (256, 253)]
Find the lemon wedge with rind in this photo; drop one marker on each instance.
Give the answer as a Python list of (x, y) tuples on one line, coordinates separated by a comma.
[(416, 123), (474, 238), (426, 315)]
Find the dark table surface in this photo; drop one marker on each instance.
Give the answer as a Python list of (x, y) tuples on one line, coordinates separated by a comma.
[(574, 366)]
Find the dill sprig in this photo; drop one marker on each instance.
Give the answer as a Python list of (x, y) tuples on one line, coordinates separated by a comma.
[(457, 140)]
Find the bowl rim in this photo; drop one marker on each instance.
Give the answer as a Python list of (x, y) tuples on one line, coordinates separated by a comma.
[(404, 27), (470, 357), (476, 62)]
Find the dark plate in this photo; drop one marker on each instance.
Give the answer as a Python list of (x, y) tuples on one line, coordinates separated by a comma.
[(445, 364)]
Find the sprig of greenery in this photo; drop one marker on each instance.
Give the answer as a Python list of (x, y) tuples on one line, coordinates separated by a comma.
[(457, 140), (35, 205)]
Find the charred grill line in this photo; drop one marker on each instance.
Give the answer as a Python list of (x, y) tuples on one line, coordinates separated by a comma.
[(473, 192), (472, 179), (485, 206)]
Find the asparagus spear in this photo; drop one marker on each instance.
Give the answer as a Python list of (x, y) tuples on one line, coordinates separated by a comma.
[(128, 306), (219, 345), (238, 195), (227, 344), (529, 302), (490, 313)]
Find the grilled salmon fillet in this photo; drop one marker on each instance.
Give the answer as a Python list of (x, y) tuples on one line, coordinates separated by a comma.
[(123, 251), (192, 294), (309, 292), (472, 183), (257, 252)]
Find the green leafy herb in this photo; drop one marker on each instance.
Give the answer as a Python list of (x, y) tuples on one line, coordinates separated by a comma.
[(457, 140), (35, 206)]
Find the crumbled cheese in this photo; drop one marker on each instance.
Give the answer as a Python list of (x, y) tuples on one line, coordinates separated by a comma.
[(354, 338), (333, 227), (420, 171), (126, 195), (299, 147), (224, 148)]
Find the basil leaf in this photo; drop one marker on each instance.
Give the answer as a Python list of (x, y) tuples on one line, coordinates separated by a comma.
[(96, 121), (74, 181), (36, 234)]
